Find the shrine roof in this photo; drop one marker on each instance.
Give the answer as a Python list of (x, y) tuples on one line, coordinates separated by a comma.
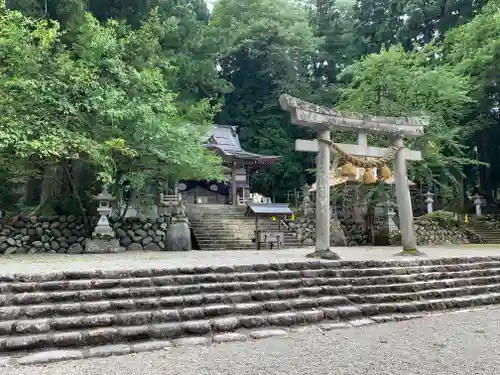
[(269, 208), (225, 140)]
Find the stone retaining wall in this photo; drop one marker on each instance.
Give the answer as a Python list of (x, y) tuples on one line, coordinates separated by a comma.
[(137, 234), (22, 234), (67, 234), (435, 233), (428, 232)]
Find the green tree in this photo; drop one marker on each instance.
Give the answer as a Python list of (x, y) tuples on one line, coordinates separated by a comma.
[(473, 50), (399, 83), (268, 47), (107, 100), (334, 23), (382, 23)]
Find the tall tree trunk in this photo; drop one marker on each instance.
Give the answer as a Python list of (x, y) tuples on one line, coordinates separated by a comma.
[(51, 188), (72, 173)]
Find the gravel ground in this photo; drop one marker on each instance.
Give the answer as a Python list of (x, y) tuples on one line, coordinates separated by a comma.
[(42, 263), (454, 343)]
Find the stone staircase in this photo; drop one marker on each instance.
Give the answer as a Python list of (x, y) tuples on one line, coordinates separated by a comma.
[(225, 227), (487, 233), (83, 314)]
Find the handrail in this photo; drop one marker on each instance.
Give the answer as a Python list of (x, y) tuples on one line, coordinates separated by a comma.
[(242, 200), (285, 224)]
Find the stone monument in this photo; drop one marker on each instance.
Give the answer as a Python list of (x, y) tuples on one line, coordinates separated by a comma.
[(322, 120), (103, 237), (178, 236)]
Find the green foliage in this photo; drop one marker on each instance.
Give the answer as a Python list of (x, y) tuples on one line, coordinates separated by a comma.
[(399, 83), (267, 47), (9, 196), (108, 99), (128, 88), (444, 218), (411, 23)]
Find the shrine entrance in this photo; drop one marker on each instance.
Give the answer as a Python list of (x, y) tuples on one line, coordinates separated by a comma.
[(323, 120)]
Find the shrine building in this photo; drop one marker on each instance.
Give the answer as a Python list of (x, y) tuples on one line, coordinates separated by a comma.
[(240, 164)]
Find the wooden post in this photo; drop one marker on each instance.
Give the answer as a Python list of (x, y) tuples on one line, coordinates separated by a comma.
[(257, 243), (233, 186)]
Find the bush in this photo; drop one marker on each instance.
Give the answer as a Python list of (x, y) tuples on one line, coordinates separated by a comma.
[(445, 218)]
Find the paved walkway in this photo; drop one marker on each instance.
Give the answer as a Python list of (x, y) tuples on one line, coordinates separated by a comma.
[(43, 263), (450, 344)]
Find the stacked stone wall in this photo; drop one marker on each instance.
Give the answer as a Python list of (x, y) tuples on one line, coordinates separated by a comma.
[(428, 232), (67, 234)]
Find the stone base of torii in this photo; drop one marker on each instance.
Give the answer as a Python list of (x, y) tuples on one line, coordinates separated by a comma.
[(323, 120)]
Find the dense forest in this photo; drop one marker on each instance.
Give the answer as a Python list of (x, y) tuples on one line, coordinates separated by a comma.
[(124, 90)]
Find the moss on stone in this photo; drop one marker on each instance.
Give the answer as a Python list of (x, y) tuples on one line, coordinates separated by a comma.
[(411, 252), (445, 218), (324, 254)]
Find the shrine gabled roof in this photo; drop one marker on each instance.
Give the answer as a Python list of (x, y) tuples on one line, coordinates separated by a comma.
[(225, 140)]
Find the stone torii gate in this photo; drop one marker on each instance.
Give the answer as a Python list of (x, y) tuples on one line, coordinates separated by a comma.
[(323, 120)]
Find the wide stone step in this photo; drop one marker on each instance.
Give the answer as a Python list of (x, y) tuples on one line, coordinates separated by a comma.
[(214, 245), (107, 333), (235, 248), (225, 232), (346, 294), (97, 313), (234, 226), (109, 328), (230, 246), (104, 313), (233, 222), (246, 241), (225, 238), (230, 237), (374, 267), (225, 242), (28, 303), (172, 277), (236, 243), (61, 354)]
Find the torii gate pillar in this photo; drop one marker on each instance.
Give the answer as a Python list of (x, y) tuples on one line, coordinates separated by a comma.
[(323, 194), (408, 238)]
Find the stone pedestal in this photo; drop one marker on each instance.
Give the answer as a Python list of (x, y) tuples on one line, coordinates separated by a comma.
[(178, 236), (103, 246)]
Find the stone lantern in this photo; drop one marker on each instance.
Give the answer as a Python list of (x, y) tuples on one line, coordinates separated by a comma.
[(429, 201), (387, 227), (477, 203), (103, 237)]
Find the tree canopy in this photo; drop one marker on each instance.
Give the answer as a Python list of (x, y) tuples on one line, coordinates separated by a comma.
[(125, 90)]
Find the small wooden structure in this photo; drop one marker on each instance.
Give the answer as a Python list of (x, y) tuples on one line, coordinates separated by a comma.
[(266, 236)]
